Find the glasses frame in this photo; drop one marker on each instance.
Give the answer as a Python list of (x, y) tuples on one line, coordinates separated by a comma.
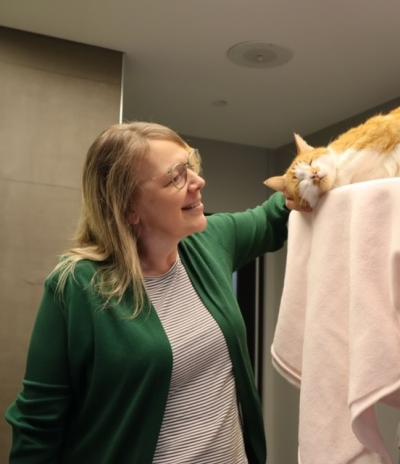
[(193, 163)]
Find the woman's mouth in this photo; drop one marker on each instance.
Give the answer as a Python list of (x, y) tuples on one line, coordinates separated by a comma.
[(194, 205)]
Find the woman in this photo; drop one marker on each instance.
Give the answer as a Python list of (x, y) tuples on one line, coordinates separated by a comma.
[(138, 354)]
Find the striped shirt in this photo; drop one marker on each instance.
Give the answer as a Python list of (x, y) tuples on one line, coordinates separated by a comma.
[(201, 422)]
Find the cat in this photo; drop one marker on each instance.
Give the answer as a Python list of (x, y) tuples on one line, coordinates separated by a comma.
[(368, 151)]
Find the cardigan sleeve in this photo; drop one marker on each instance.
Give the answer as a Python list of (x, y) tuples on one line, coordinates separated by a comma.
[(251, 233), (39, 413)]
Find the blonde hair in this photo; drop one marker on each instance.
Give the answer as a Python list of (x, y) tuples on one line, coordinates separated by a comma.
[(109, 185)]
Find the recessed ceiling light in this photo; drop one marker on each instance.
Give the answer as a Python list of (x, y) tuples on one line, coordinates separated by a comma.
[(255, 54), (219, 103)]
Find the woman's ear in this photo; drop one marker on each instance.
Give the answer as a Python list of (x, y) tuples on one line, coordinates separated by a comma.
[(133, 218), (276, 183)]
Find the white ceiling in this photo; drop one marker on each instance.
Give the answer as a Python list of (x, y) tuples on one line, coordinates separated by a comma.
[(345, 59)]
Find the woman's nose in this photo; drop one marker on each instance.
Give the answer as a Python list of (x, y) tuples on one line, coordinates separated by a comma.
[(195, 181)]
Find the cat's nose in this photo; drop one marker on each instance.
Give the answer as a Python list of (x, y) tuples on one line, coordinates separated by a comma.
[(316, 175), (316, 171), (317, 178)]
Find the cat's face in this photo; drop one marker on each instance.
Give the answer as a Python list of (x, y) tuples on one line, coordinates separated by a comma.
[(311, 174)]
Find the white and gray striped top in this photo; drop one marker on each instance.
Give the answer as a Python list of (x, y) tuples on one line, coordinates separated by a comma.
[(201, 423)]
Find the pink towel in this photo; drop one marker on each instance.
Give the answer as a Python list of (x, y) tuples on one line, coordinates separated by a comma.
[(338, 331)]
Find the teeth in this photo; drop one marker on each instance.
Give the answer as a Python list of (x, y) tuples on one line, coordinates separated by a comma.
[(193, 205)]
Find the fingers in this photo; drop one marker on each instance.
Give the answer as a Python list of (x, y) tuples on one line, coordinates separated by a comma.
[(290, 204)]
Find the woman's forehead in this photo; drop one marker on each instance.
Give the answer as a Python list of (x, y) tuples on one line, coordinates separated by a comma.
[(163, 154)]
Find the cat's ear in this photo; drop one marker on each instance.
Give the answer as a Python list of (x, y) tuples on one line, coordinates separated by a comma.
[(276, 183), (301, 144)]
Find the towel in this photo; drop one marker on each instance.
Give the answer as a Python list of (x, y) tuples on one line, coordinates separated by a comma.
[(338, 332)]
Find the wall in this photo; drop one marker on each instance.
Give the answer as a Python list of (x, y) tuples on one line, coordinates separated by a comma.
[(324, 136), (234, 174), (56, 96)]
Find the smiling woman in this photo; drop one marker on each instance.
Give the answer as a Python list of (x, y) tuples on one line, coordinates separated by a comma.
[(145, 299)]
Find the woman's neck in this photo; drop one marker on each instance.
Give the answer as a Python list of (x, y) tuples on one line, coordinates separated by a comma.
[(157, 261)]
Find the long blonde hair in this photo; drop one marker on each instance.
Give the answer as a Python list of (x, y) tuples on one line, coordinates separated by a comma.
[(109, 185)]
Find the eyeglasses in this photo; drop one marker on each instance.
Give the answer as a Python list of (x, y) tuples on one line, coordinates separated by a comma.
[(178, 173)]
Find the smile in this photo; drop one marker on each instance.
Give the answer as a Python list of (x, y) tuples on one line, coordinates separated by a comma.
[(192, 205)]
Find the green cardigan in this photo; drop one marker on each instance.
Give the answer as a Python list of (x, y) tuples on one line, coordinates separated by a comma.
[(96, 382)]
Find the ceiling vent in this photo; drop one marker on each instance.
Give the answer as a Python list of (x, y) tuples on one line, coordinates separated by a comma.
[(253, 54)]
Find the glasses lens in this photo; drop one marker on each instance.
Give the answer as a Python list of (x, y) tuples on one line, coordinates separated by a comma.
[(194, 161), (179, 175)]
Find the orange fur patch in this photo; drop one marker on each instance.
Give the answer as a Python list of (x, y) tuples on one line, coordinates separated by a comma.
[(380, 133)]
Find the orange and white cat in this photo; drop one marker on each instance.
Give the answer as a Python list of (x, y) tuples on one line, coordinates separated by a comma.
[(366, 152)]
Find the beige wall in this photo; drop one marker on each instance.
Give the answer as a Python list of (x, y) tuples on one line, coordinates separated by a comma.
[(55, 97)]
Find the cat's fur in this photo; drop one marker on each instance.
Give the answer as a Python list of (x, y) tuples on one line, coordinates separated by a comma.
[(369, 151)]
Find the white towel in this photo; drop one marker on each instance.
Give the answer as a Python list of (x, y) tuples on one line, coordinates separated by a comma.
[(338, 331)]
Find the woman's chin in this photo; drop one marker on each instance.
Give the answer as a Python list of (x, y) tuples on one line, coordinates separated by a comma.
[(200, 225)]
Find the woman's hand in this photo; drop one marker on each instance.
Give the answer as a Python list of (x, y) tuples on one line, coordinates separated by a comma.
[(290, 204)]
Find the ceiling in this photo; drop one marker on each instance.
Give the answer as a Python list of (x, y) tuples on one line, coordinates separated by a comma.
[(345, 59)]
